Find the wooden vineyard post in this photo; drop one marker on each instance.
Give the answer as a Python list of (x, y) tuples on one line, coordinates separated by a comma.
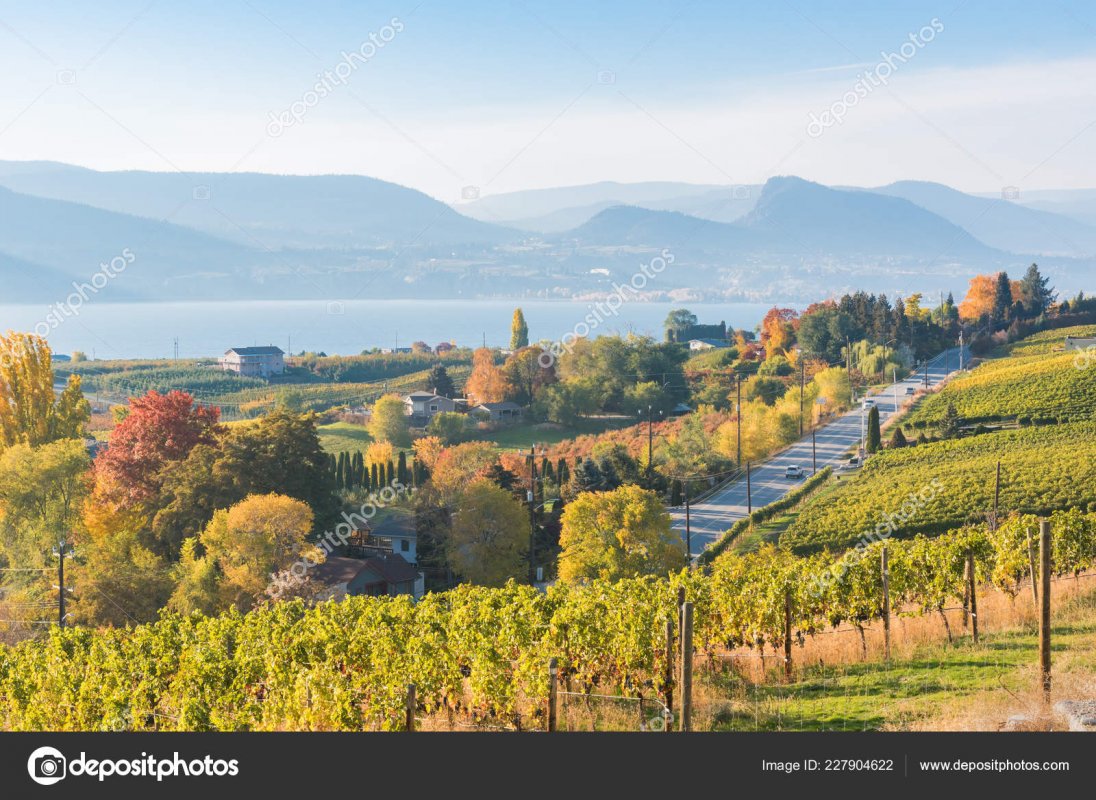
[(787, 636), (669, 673), (409, 722), (553, 693), (885, 569), (1031, 571), (680, 609), (687, 668), (972, 592), (1044, 611)]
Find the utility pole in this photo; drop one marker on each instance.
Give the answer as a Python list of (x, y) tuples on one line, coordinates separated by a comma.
[(738, 406), (749, 491), (62, 550), (895, 376), (688, 526), (802, 389), (532, 514), (848, 368), (814, 451), (1044, 608)]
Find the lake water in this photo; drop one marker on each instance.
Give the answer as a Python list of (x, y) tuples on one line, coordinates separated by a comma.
[(149, 330)]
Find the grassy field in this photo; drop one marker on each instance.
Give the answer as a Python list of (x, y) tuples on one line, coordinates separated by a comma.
[(930, 684), (339, 436)]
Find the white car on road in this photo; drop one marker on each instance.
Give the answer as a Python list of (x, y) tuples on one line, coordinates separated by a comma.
[(793, 472)]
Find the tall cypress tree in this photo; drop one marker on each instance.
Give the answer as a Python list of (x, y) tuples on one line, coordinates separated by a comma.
[(390, 474), (340, 471), (374, 477), (401, 468), (875, 439)]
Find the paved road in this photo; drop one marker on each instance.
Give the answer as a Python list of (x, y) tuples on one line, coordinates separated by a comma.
[(835, 440)]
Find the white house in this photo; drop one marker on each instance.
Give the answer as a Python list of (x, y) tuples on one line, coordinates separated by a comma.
[(256, 362), (1080, 344)]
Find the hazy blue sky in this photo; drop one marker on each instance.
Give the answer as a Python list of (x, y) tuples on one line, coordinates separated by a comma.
[(511, 95)]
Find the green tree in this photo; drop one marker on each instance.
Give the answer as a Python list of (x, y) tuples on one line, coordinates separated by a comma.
[(949, 425), (875, 441), (1035, 291), (449, 426), (677, 323), (1002, 299), (898, 439), (618, 534), (439, 381), (519, 331), (389, 421)]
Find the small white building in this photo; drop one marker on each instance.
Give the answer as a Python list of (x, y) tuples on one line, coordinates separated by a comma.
[(425, 405), (255, 362), (498, 412), (708, 344), (1080, 344)]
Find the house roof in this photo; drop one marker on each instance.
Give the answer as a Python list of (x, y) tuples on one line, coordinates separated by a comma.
[(336, 570), (503, 406), (266, 350), (391, 567)]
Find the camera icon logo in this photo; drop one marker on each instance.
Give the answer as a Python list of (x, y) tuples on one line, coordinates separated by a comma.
[(606, 77), (66, 77), (1010, 193), (470, 193), (336, 307), (202, 192), (47, 766)]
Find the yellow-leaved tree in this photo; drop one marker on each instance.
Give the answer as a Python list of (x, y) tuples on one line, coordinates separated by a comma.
[(388, 422), (489, 540), (617, 534), (243, 546), (30, 411)]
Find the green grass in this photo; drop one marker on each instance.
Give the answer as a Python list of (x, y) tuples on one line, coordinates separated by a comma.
[(871, 695), (340, 436), (1047, 341)]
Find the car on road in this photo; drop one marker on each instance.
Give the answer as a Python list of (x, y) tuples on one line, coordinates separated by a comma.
[(852, 463), (869, 403), (793, 472), (910, 390)]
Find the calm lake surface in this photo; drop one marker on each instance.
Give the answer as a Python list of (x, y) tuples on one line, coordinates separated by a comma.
[(149, 330)]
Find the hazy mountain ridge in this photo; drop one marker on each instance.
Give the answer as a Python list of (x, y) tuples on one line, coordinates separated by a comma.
[(252, 236)]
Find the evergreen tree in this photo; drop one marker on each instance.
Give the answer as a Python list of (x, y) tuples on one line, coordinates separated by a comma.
[(875, 439), (359, 469), (546, 470), (340, 471), (562, 472), (390, 474), (374, 477), (401, 468), (898, 439), (675, 493), (440, 382), (519, 331), (588, 477), (1002, 299), (949, 425), (1035, 292)]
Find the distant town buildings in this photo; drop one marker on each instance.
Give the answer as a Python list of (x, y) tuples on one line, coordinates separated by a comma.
[(255, 362)]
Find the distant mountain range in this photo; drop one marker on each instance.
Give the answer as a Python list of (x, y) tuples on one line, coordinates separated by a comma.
[(248, 235)]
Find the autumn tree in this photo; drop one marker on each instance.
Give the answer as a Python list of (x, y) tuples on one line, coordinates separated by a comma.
[(487, 383), (388, 422), (31, 412), (526, 374), (489, 540), (160, 429), (980, 299), (778, 330), (243, 546), (618, 534), (458, 466), (519, 331)]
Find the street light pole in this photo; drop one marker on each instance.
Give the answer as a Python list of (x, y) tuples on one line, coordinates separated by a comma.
[(650, 442), (688, 526), (738, 408)]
